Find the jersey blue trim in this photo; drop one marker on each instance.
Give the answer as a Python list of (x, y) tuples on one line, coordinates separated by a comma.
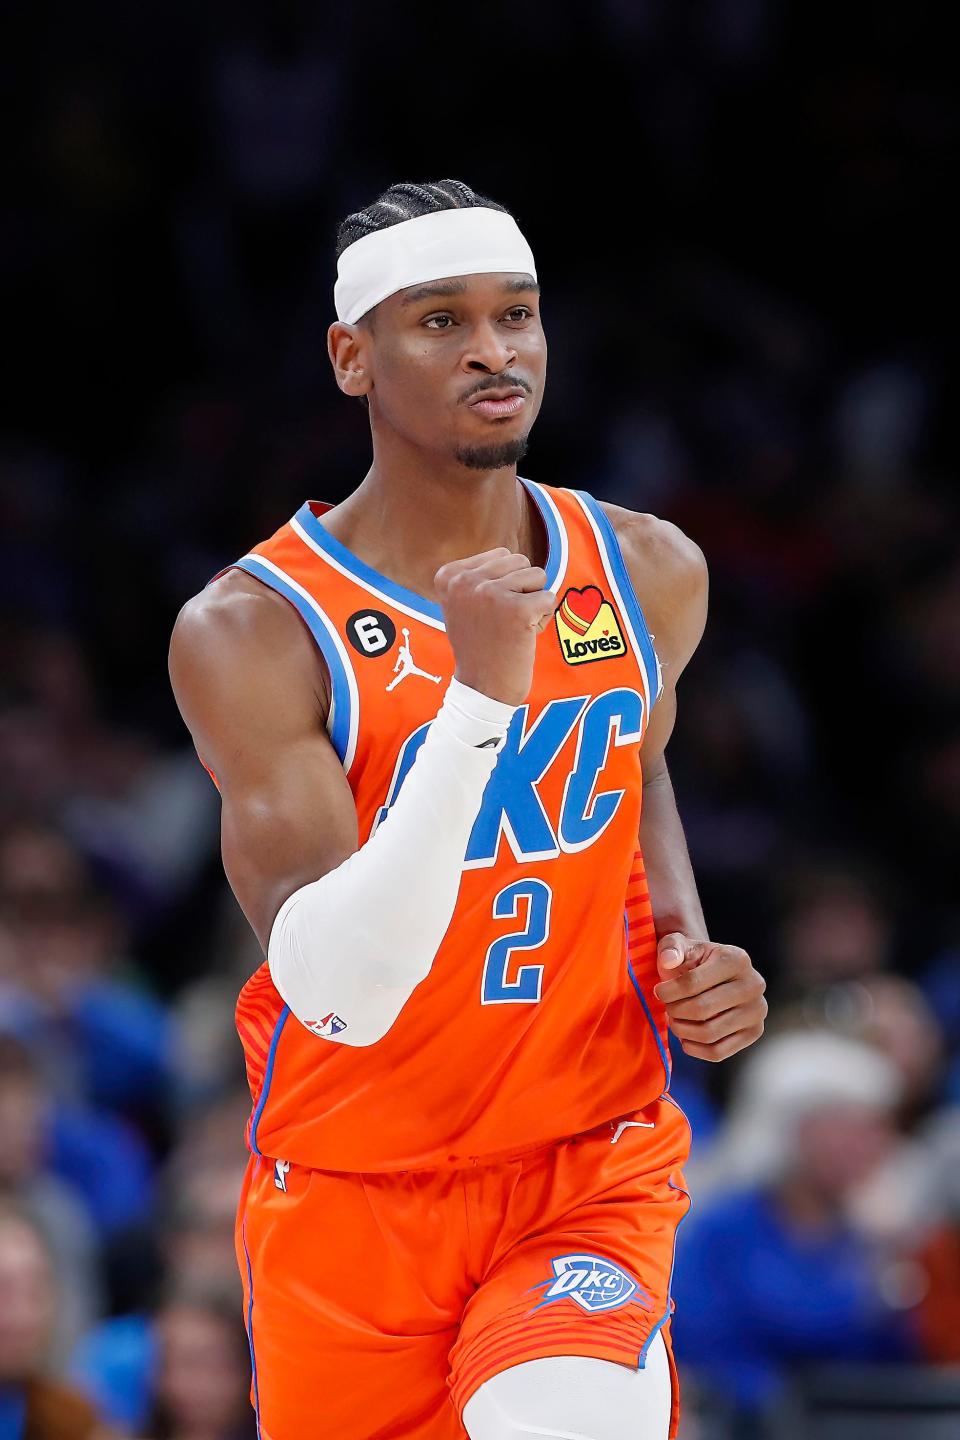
[(340, 730), (361, 570), (642, 1357), (664, 1053), (267, 1078), (253, 1357), (375, 580), (554, 538), (622, 577)]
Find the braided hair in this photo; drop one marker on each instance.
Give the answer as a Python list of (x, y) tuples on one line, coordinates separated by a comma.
[(405, 202)]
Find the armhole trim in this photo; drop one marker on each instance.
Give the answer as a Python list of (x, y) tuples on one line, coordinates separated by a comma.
[(344, 717), (622, 586), (558, 545)]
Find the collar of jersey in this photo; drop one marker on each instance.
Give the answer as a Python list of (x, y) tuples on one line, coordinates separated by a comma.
[(382, 585)]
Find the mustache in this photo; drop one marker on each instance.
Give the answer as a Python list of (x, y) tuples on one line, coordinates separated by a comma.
[(496, 382)]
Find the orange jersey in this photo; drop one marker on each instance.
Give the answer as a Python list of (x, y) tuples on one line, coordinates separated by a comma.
[(537, 1019)]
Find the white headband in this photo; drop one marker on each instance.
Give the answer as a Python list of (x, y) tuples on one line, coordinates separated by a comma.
[(470, 241)]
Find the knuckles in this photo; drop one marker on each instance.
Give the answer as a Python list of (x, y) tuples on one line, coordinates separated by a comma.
[(722, 1049), (713, 1042)]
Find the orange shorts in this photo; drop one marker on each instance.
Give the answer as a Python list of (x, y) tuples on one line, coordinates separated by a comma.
[(377, 1304)]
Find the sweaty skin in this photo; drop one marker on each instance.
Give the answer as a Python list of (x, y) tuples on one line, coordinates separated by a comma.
[(440, 500)]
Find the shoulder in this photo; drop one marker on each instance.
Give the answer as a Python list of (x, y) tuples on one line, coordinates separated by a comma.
[(234, 608), (654, 546), (669, 574), (236, 629)]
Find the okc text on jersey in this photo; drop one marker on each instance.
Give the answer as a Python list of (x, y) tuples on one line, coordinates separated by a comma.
[(512, 807)]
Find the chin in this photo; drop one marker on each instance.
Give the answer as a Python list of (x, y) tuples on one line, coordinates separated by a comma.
[(495, 455)]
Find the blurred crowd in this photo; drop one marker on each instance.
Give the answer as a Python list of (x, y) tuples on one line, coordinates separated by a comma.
[(743, 296)]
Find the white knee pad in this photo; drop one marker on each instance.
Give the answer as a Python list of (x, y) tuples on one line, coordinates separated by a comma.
[(573, 1397)]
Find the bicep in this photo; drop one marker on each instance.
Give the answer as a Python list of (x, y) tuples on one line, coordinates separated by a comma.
[(245, 675)]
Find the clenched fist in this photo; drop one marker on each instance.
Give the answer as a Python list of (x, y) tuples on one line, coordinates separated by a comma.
[(495, 606)]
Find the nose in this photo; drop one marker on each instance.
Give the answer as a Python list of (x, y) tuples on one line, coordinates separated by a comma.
[(488, 351)]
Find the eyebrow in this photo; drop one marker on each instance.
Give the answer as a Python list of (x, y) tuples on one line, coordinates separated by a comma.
[(441, 289)]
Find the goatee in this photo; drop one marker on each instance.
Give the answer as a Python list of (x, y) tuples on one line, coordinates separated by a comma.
[(492, 457)]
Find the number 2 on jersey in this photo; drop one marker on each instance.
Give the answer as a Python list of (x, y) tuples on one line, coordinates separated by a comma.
[(524, 989)]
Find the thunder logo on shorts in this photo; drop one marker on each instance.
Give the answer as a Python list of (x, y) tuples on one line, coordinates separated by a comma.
[(593, 1283)]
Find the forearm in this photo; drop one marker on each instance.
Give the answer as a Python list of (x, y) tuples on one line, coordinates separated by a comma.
[(673, 889), (347, 951)]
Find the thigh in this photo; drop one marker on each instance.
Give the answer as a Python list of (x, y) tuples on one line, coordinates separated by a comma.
[(583, 1258), (568, 1396), (352, 1297)]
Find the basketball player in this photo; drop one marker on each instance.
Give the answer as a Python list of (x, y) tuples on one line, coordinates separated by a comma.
[(433, 712)]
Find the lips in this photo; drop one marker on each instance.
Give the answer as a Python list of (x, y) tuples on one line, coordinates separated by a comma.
[(491, 392), (499, 404)]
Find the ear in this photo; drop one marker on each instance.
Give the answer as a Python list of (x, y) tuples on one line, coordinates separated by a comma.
[(349, 349)]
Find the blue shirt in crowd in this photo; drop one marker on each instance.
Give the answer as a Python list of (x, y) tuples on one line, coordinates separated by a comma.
[(13, 1412), (755, 1296)]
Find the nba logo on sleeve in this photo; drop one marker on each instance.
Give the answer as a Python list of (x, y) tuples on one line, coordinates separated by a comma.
[(587, 627), (327, 1026), (592, 1283)]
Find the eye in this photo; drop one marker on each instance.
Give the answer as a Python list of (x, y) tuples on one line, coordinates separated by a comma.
[(439, 322), (518, 314)]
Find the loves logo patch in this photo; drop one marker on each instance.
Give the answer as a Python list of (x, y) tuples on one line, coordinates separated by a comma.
[(587, 627)]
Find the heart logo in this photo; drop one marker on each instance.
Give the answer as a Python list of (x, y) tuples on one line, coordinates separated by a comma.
[(579, 618), (580, 607)]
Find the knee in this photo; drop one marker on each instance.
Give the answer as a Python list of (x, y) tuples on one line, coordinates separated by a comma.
[(573, 1397)]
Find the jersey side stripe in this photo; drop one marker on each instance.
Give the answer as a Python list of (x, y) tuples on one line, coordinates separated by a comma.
[(622, 586), (256, 1034), (664, 1053), (344, 717), (267, 1079)]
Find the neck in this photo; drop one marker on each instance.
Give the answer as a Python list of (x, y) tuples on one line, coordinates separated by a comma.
[(410, 521)]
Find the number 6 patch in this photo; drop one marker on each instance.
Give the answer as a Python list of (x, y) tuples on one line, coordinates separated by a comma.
[(370, 632)]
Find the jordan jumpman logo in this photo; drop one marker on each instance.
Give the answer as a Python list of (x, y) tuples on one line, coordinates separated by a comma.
[(405, 665)]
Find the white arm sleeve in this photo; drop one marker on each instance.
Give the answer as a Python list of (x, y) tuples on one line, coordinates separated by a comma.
[(347, 951)]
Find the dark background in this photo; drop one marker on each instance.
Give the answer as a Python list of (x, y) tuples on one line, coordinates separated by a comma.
[(739, 210)]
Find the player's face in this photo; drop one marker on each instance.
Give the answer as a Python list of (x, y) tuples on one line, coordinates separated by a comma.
[(458, 367)]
